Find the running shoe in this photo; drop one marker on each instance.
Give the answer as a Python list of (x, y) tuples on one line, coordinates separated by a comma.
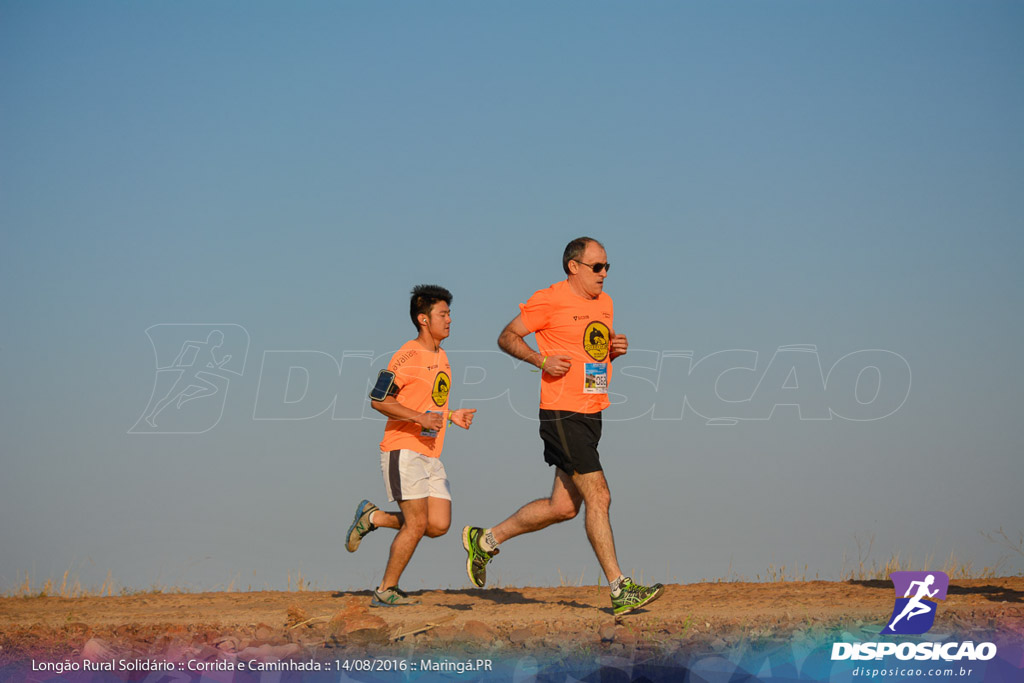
[(360, 525), (476, 562), (632, 596), (392, 597)]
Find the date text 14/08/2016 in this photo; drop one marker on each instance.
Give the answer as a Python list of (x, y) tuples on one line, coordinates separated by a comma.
[(444, 665), (368, 665)]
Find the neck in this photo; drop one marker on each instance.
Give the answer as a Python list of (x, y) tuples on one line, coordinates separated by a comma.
[(427, 341), (577, 289)]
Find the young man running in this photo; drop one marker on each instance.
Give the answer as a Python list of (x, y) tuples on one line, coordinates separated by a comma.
[(418, 415), (573, 324)]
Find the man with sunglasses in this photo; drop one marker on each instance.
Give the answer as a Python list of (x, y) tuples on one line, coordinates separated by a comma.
[(572, 321)]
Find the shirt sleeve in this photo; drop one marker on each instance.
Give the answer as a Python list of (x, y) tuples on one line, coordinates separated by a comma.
[(401, 378), (536, 312)]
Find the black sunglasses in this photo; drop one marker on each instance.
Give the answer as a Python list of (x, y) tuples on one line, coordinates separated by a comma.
[(598, 267)]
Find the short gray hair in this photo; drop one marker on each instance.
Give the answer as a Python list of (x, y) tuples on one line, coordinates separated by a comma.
[(574, 250)]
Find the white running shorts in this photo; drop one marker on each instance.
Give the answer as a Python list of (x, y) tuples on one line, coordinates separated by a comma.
[(409, 475)]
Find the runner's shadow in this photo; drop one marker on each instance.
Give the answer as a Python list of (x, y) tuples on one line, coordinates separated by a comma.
[(993, 593), (567, 603), (873, 583), (499, 596), (345, 594)]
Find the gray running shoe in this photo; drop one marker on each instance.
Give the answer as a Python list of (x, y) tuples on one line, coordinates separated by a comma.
[(476, 562), (360, 525), (632, 596), (392, 597)]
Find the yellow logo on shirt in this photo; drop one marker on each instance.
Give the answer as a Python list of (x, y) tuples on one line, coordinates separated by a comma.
[(595, 340), (442, 384)]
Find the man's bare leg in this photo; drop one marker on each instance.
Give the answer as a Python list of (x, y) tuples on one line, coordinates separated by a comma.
[(388, 520), (414, 514), (594, 488), (563, 504), (568, 494), (439, 517)]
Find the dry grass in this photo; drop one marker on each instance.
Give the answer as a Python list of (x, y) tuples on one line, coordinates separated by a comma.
[(301, 585), (782, 573), (953, 566), (1001, 538), (564, 581), (864, 569), (69, 586)]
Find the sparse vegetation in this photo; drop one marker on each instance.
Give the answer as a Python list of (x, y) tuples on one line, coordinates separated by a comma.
[(564, 581), (864, 568), (953, 566), (782, 573), (70, 586), (1000, 537)]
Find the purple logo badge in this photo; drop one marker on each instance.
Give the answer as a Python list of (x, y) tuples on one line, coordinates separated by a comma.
[(916, 592)]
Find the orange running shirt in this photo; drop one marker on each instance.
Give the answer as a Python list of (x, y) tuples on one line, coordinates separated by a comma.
[(423, 379), (567, 324)]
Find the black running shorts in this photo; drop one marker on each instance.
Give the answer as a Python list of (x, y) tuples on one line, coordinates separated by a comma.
[(570, 440)]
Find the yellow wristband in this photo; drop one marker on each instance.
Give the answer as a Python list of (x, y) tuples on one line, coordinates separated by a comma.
[(543, 363)]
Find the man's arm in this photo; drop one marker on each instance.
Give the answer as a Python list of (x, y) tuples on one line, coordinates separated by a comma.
[(619, 345), (511, 342), (463, 417), (393, 409)]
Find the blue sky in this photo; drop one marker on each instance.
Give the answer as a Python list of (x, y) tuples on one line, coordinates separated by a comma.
[(844, 176)]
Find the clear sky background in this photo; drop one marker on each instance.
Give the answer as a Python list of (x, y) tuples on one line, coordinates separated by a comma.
[(845, 176)]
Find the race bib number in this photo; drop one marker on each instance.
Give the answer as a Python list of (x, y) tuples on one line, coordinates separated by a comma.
[(595, 378)]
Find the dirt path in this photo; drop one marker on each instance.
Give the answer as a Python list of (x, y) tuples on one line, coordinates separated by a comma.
[(541, 620)]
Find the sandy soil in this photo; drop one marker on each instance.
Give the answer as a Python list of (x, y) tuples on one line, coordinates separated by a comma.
[(554, 621)]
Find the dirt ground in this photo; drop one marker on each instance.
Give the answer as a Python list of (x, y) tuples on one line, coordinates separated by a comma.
[(552, 621)]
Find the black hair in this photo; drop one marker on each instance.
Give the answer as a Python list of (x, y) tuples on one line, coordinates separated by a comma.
[(423, 299), (574, 250)]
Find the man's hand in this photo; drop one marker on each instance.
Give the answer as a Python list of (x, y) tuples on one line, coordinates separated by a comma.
[(556, 366), (618, 346), (431, 421), (462, 417)]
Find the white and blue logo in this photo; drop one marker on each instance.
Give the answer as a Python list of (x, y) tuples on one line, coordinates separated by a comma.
[(914, 612)]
